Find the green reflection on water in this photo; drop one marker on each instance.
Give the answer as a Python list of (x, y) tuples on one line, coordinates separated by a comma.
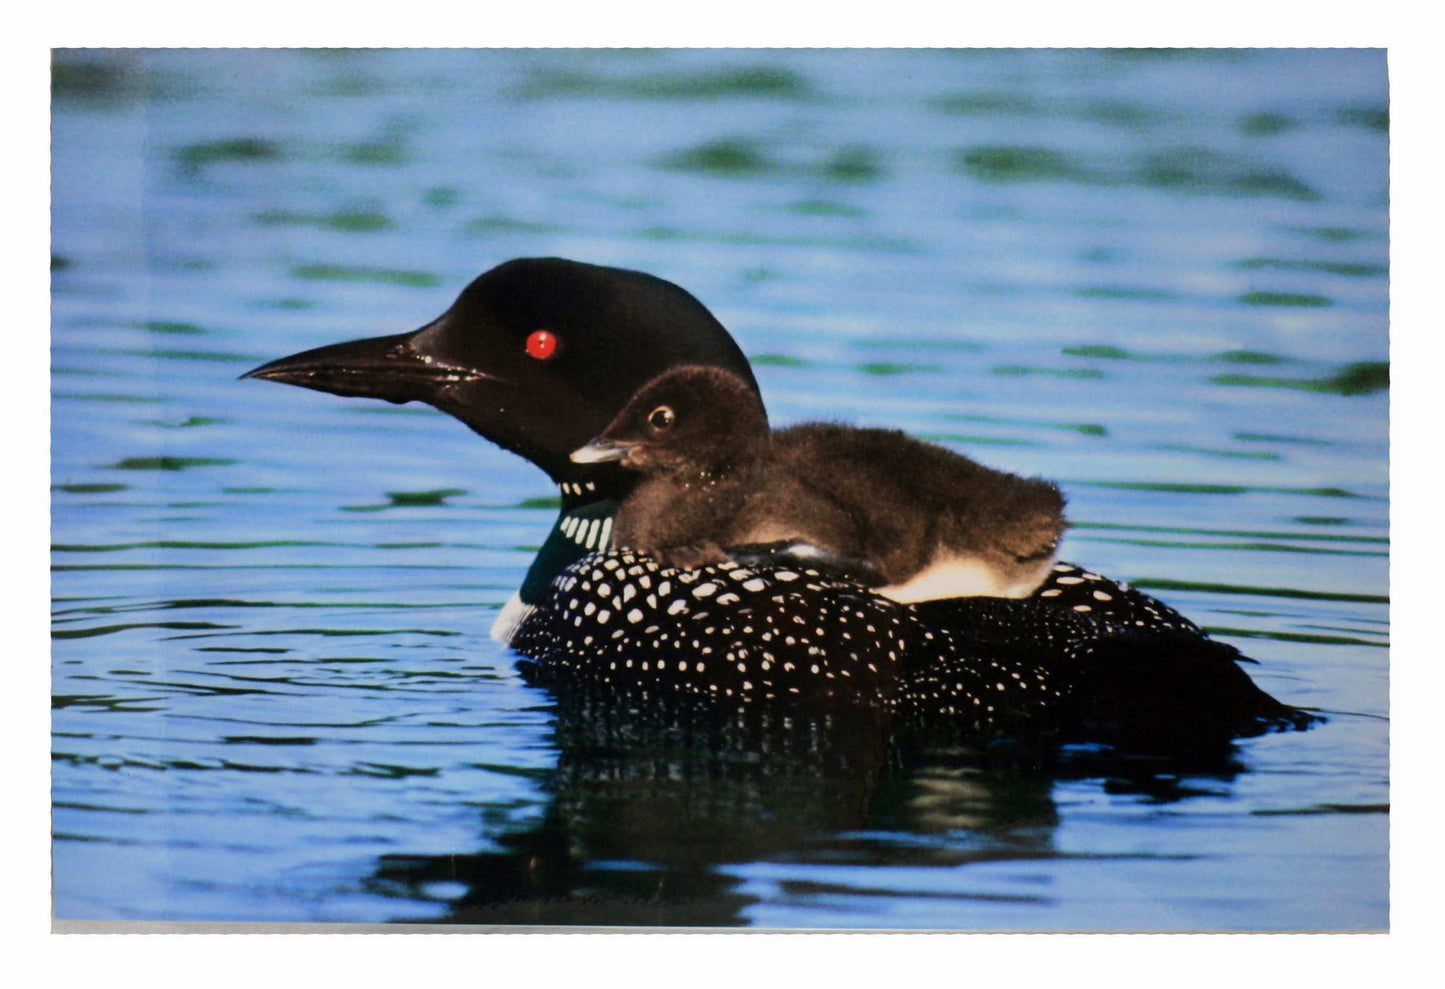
[(182, 544), (725, 156), (75, 396), (1277, 438), (1086, 428), (1332, 235), (1265, 124), (825, 207), (999, 163), (1199, 170), (853, 164), (1375, 118), (285, 304), (387, 151), (1285, 299), (348, 221), (88, 79), (1090, 350), (1323, 640), (1119, 113), (168, 326), (1018, 370), (993, 103), (757, 80), (884, 244), (388, 276), (409, 499), (507, 224), (414, 498), (238, 149), (742, 158), (216, 356), (1239, 454), (188, 423), (1313, 537), (1196, 171), (91, 488), (1248, 357), (1347, 269), (1115, 292), (1152, 584), (1231, 489), (978, 440), (885, 369), (985, 103), (86, 633), (966, 346), (169, 463), (1244, 547), (1356, 379)]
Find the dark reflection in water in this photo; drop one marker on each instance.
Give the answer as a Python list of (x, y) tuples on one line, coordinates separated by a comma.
[(650, 796)]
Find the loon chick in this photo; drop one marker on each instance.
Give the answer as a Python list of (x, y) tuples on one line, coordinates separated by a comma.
[(539, 355), (875, 504), (700, 440)]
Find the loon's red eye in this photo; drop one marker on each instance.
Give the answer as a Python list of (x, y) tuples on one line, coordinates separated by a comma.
[(542, 344)]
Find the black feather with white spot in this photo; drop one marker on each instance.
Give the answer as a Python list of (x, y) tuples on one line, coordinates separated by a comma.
[(1083, 656), (726, 631)]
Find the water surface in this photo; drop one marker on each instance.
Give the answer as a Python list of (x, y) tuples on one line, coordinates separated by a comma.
[(1157, 277)]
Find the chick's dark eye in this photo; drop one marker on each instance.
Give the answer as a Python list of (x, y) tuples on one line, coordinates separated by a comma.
[(661, 418)]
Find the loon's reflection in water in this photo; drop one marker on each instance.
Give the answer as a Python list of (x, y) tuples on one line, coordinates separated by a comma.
[(652, 798)]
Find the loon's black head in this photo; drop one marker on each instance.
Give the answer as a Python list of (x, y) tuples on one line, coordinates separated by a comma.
[(538, 355), (692, 417)]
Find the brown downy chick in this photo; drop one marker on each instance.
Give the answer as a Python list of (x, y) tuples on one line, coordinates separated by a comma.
[(938, 524), (875, 504)]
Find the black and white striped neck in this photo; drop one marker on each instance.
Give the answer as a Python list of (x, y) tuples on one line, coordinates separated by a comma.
[(584, 525)]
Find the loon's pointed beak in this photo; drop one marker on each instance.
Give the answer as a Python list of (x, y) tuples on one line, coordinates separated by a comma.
[(600, 451), (394, 368)]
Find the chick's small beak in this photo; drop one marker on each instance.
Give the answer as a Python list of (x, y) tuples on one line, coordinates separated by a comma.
[(601, 451)]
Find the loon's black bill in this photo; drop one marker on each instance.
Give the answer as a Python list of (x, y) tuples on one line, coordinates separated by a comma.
[(392, 368), (600, 451)]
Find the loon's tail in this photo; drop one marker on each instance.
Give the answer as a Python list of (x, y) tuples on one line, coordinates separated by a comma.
[(1171, 686)]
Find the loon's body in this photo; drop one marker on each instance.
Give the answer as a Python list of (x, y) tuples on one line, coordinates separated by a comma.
[(541, 355), (1084, 658), (913, 520)]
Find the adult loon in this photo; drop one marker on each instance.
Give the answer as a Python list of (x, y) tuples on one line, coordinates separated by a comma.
[(540, 355), (912, 520)]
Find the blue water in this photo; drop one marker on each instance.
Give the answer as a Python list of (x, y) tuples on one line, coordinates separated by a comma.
[(1159, 278)]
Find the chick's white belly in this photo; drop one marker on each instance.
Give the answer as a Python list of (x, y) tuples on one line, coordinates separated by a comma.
[(966, 577)]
